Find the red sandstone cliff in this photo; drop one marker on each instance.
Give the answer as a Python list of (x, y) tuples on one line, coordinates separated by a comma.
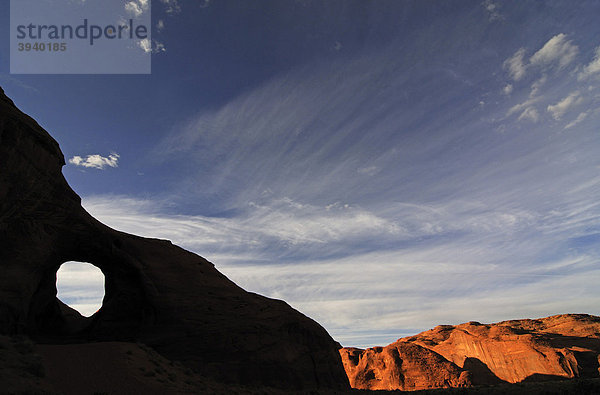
[(402, 366), (562, 346)]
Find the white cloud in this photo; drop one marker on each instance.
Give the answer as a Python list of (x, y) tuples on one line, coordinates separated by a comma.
[(557, 50), (96, 161), (498, 268), (537, 86), (160, 25), (494, 217), (529, 114), (173, 7), (146, 45), (592, 68), (340, 294), (369, 170), (582, 116), (516, 65), (137, 7), (519, 107), (559, 109), (151, 47), (284, 225), (159, 47), (492, 10)]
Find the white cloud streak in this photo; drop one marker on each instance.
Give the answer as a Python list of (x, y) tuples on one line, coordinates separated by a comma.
[(530, 114), (96, 161), (137, 7), (537, 86), (458, 223), (366, 208), (151, 46), (516, 65), (559, 109), (592, 68), (557, 50), (580, 118), (493, 268)]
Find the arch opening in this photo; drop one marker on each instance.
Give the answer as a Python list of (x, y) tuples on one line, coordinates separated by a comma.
[(80, 285)]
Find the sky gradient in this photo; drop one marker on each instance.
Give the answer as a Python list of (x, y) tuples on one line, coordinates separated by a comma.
[(383, 167)]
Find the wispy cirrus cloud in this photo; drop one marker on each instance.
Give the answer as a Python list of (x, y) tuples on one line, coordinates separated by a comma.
[(591, 68), (559, 109), (558, 50), (516, 65), (503, 215), (372, 193), (442, 264), (582, 116), (530, 113)]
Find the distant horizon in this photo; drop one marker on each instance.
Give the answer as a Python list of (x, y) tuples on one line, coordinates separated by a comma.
[(382, 167)]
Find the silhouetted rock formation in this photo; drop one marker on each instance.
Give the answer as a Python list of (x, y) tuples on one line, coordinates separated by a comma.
[(562, 346), (155, 292)]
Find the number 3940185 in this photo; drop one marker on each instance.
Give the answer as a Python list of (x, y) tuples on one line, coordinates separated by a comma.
[(39, 47)]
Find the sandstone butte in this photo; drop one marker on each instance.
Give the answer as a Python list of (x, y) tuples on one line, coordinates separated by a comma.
[(557, 347), (155, 292)]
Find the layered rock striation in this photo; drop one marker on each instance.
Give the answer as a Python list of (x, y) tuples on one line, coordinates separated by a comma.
[(557, 347), (155, 293)]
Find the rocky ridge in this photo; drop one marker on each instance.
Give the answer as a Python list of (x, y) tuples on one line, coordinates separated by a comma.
[(556, 347)]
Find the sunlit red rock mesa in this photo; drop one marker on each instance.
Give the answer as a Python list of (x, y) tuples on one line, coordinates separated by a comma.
[(557, 347)]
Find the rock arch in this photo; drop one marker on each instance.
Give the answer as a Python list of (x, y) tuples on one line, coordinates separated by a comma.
[(156, 293)]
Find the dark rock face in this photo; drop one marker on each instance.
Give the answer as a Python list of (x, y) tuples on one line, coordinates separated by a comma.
[(155, 292)]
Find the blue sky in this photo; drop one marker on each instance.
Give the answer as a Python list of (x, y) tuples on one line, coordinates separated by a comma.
[(384, 167)]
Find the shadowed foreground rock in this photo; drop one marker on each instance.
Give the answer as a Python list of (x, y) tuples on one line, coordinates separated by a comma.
[(155, 293), (557, 347)]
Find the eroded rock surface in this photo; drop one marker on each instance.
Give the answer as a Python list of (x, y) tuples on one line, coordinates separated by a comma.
[(402, 366), (562, 346), (155, 292)]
